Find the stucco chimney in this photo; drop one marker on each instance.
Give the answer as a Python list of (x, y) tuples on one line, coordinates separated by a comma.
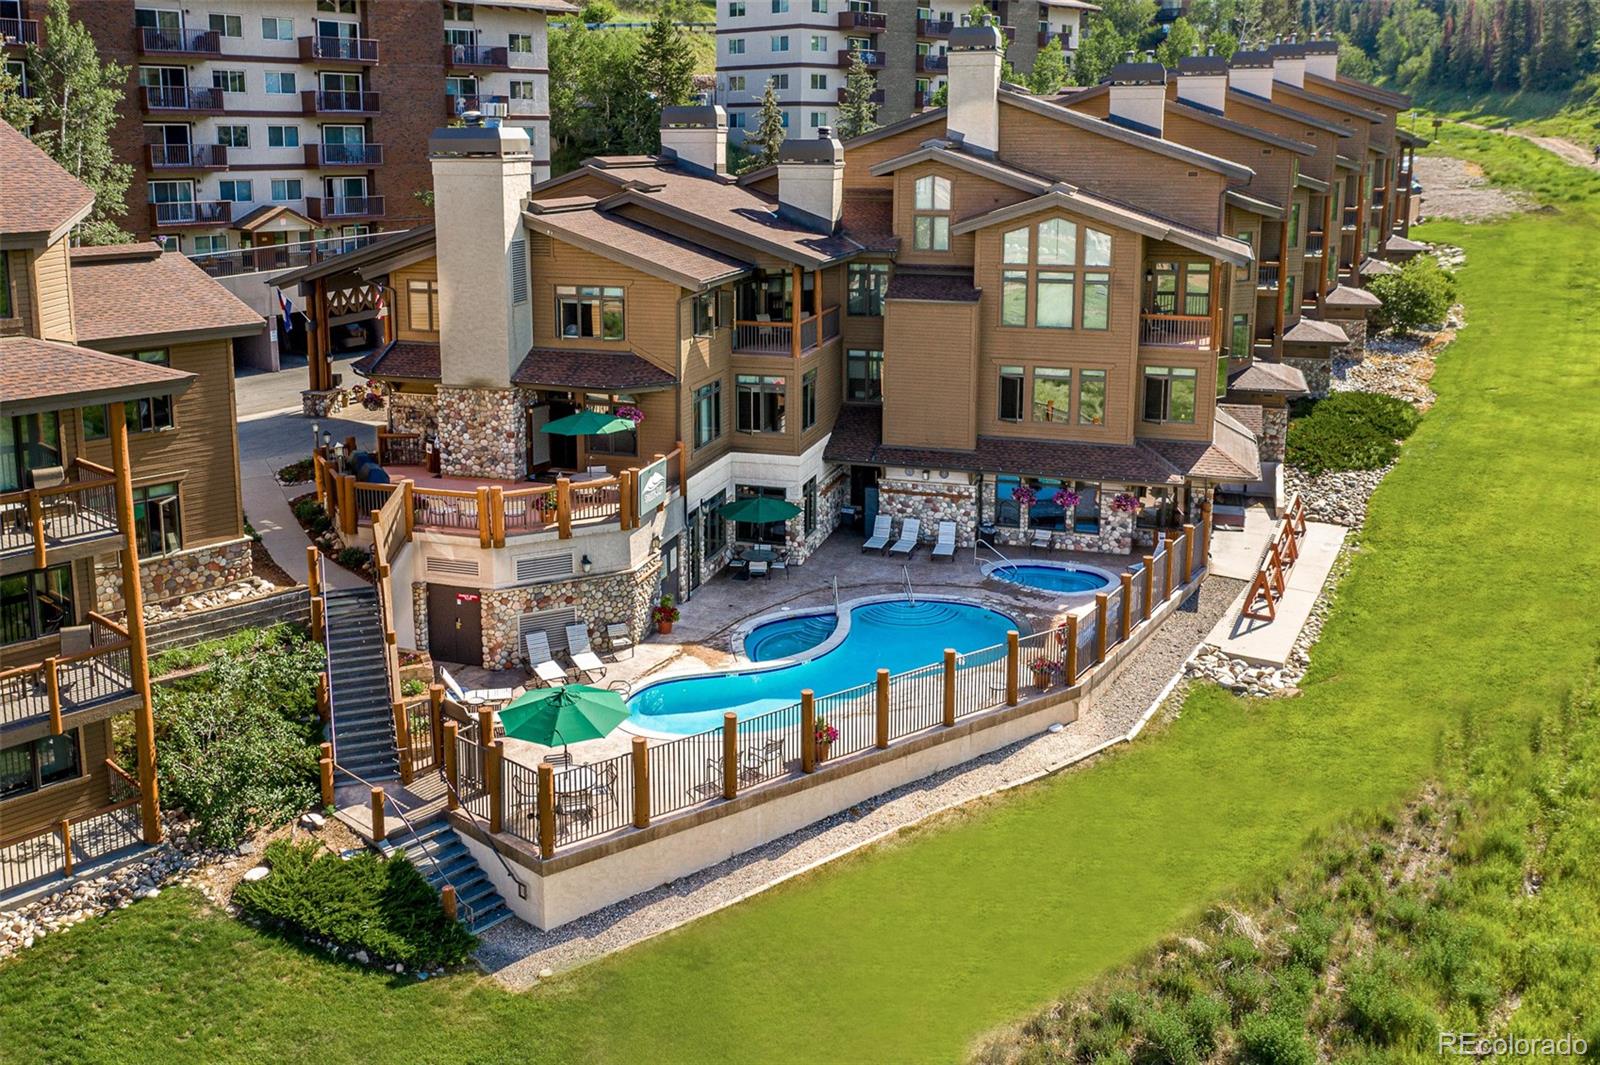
[(973, 76), (1138, 94), (1203, 81), (811, 181), (1289, 63), (696, 136), (1251, 72), (1322, 58)]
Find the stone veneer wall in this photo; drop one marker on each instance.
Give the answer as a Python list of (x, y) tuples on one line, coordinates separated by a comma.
[(930, 503), (1318, 373), (419, 612), (831, 495), (1115, 536), (1274, 433), (598, 601), (174, 576), (412, 412), (482, 433)]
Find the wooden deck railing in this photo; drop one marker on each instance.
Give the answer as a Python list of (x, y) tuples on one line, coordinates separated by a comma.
[(1267, 273), (778, 338), (68, 684), (82, 510), (39, 855), (1175, 330)]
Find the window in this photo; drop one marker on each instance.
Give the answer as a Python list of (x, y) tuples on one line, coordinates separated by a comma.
[(817, 119), (422, 305), (1011, 388), (519, 42), (736, 46), (1016, 247), (1007, 511), (1054, 309), (736, 120), (760, 403), (736, 83), (1248, 239), (226, 25), (820, 6), (590, 311), (524, 90), (233, 136), (286, 189), (277, 29), (235, 189), (5, 285), (785, 116), (808, 497), (348, 7), (1014, 297), (1294, 225), (36, 764), (1197, 289), (1046, 512), (210, 245), (780, 82), (1169, 394), (283, 136), (27, 442), (819, 43), (1052, 395), (863, 375), (808, 400), (35, 603), (1058, 243), (707, 413), (1091, 397), (705, 314), (280, 83), (1096, 248), (773, 532), (1096, 300), (780, 7), (148, 415), (931, 232), (736, 10), (867, 284), (1239, 339), (779, 43), (1054, 242), (623, 443), (1289, 304), (228, 80), (716, 537), (157, 529)]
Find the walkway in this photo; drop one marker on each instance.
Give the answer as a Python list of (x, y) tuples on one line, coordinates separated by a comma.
[(1268, 643)]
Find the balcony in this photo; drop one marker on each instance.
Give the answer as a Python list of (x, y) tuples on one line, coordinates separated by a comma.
[(19, 31), (871, 21), (80, 513), (362, 50), (67, 684), (327, 102), (44, 857), (178, 42), (475, 55), (175, 98), (1064, 36), (876, 95), (456, 106), (192, 213), (277, 256), (343, 208), (778, 338), (1191, 331), (1351, 216), (871, 58), (319, 155), (929, 63), (186, 156), (1267, 274), (935, 29), (1314, 242)]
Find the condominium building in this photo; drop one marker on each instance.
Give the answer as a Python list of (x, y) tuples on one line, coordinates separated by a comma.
[(806, 48)]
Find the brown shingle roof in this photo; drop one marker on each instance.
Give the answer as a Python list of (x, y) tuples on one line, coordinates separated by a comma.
[(1312, 331), (136, 290), (40, 197), (650, 250), (1246, 414), (912, 284), (609, 370), (1345, 296), (1274, 377), (35, 373), (868, 216), (411, 359)]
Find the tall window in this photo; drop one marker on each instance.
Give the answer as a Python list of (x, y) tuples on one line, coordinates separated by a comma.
[(1289, 305), (1052, 394), (1239, 341), (707, 413), (705, 314), (148, 415), (156, 519), (760, 402), (1294, 225), (422, 305), (5, 285), (1091, 397), (1014, 297), (808, 496), (1041, 268), (863, 374), (1007, 511), (1169, 394), (35, 603), (808, 400), (1054, 309), (868, 283), (27, 442), (716, 537), (34, 764), (590, 311), (931, 222), (1012, 385)]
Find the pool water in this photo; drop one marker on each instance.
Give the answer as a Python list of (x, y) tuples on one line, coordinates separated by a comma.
[(1062, 580), (895, 636)]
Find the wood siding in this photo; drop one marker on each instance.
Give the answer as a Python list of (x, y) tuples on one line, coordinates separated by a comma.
[(52, 291), (925, 387), (970, 195), (650, 328), (399, 281), (23, 314), (57, 802)]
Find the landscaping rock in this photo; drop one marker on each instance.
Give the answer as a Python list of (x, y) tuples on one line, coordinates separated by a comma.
[(260, 872)]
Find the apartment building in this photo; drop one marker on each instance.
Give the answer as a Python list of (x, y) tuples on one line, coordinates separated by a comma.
[(255, 123), (119, 484), (806, 47)]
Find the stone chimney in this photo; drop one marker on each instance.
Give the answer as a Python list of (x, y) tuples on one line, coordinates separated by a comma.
[(481, 176), (1289, 63), (696, 136), (973, 76), (1322, 58), (1251, 72), (1138, 94), (1203, 81), (811, 181)]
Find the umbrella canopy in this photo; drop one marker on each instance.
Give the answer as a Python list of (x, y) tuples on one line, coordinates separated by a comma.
[(563, 715), (587, 423), (759, 510)]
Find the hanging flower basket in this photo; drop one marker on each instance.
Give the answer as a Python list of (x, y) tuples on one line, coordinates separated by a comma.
[(1024, 494), (1125, 503), (630, 412), (1066, 498)]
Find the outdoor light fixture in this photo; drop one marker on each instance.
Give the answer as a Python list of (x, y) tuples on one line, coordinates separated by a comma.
[(316, 435), (587, 565), (327, 439)]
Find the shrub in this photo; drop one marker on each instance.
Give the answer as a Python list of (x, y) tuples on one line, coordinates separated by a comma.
[(1205, 1015), (1419, 294), (1167, 1039), (412, 687), (308, 508), (1246, 989), (1378, 1009), (1308, 944), (1274, 1039), (1389, 415), (382, 906), (598, 11), (1316, 445), (352, 557), (296, 472)]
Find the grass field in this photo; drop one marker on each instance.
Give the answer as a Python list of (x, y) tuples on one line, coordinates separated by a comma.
[(1469, 611)]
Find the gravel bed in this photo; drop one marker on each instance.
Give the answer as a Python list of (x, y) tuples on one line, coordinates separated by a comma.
[(518, 954), (1456, 189)]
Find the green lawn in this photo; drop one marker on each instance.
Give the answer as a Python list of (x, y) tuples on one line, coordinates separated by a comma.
[(1470, 608)]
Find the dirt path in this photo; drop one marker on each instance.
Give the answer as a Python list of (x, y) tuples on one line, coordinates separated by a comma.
[(1572, 152)]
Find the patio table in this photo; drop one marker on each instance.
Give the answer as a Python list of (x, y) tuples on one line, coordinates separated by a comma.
[(577, 780)]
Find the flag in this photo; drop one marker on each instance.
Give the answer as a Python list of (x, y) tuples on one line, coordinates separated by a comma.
[(286, 307), (383, 310)]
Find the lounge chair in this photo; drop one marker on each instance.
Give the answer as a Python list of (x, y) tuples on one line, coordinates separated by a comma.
[(541, 663), (945, 546), (1041, 539), (882, 529), (910, 533), (780, 562), (618, 636), (474, 697), (582, 656)]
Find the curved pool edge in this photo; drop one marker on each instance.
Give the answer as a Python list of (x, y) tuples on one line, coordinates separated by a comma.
[(1111, 579)]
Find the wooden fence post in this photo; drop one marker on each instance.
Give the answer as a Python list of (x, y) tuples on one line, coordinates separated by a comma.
[(485, 517), (1013, 663), (949, 687), (730, 755), (1149, 583), (347, 503), (1069, 661), (447, 899), (641, 782), (1127, 606), (1166, 566), (380, 830), (313, 574), (485, 726), (808, 731), (324, 697), (625, 499), (547, 810), (564, 507), (402, 738), (494, 777), (436, 720), (447, 753), (325, 774), (1102, 616), (316, 619), (1205, 532), (497, 515), (883, 709), (408, 492), (1188, 553), (66, 847)]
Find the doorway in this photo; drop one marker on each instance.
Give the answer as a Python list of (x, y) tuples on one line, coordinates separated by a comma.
[(455, 624), (670, 561), (563, 449)]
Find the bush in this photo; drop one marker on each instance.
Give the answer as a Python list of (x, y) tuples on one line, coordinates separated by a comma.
[(1274, 1039), (1308, 944), (382, 906), (1393, 418), (310, 514), (1205, 1015), (1419, 294), (598, 11), (1246, 989), (1168, 1039), (296, 472), (1378, 1008), (1318, 444), (352, 557), (412, 687)]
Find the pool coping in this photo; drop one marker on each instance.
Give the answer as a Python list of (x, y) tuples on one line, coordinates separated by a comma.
[(1074, 599)]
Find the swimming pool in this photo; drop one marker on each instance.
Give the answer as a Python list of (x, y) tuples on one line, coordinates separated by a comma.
[(1058, 578), (896, 636)]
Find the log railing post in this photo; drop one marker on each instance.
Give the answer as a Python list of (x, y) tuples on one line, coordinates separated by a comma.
[(52, 687), (625, 499), (452, 774), (494, 777), (1127, 607), (36, 522), (436, 721), (1102, 618), (324, 697), (380, 830), (808, 731), (546, 776), (325, 775), (1188, 553), (402, 738), (316, 619), (564, 507), (1205, 532), (497, 515), (730, 755), (883, 709), (1013, 664), (1069, 661), (641, 782), (1166, 567), (66, 847), (485, 517), (447, 900), (313, 571), (949, 687), (1149, 583)]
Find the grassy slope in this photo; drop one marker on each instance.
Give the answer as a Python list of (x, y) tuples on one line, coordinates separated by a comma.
[(1574, 115), (1468, 602)]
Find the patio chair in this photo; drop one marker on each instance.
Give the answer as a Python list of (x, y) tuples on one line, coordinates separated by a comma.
[(780, 562), (882, 529), (41, 477), (762, 570), (597, 472), (1041, 539), (945, 546), (711, 786), (910, 533), (581, 655), (618, 635), (605, 788), (75, 639), (760, 762), (475, 697), (541, 663)]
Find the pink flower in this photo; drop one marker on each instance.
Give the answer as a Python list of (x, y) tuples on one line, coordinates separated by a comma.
[(1066, 497), (630, 412)]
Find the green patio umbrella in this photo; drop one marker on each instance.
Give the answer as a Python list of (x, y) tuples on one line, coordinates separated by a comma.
[(563, 715), (759, 510), (587, 423)]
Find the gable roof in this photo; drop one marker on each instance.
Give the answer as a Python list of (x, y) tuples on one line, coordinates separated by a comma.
[(1271, 107), (40, 375), (612, 371), (1135, 138), (130, 293), (1366, 90), (412, 359), (374, 255), (1256, 205), (622, 240), (42, 201), (1210, 117), (1277, 378), (1313, 331), (1294, 92)]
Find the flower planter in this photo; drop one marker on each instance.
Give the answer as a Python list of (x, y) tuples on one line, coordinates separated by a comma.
[(1041, 681), (664, 628), (822, 749)]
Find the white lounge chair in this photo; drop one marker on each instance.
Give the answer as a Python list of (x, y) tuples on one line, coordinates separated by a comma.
[(910, 532), (1041, 538), (618, 636), (882, 529), (582, 655), (475, 697), (945, 546), (541, 663)]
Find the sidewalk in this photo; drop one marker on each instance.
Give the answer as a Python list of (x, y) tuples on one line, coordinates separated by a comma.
[(1268, 643)]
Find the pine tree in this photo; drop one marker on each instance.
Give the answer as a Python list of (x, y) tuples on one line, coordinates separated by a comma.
[(858, 114), (76, 97), (666, 62), (767, 140)]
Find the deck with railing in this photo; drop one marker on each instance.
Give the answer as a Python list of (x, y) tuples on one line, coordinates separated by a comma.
[(1267, 273), (1175, 330), (64, 685), (779, 338), (38, 857), (81, 511)]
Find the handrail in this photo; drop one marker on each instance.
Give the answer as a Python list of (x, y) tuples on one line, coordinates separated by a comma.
[(461, 804), (905, 571), (978, 542), (23, 837)]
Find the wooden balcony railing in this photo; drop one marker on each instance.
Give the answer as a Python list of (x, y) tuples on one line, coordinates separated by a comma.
[(778, 338), (84, 510), (1314, 242), (69, 684), (1267, 273), (179, 42), (1175, 330), (339, 49), (1351, 216)]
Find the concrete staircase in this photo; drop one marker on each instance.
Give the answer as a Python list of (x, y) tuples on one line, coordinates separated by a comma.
[(363, 721), (439, 854)]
